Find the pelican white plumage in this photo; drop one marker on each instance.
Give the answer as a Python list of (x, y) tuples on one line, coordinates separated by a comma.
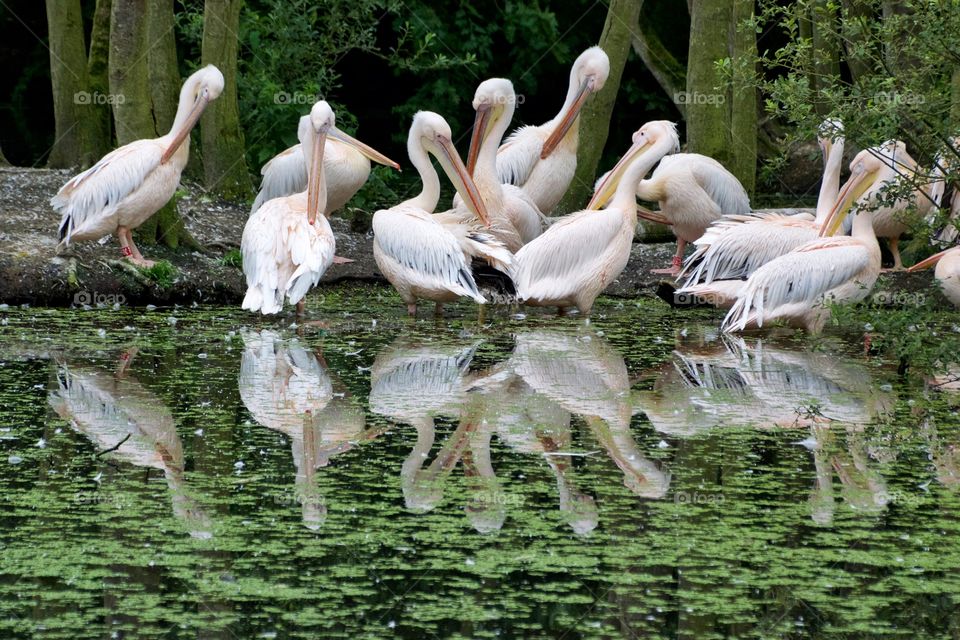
[(947, 272), (514, 217), (422, 256), (129, 184), (576, 258), (942, 190), (890, 221), (735, 246), (286, 246), (346, 167), (795, 287), (543, 159), (693, 191)]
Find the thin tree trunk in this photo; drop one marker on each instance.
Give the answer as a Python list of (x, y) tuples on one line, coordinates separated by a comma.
[(669, 73), (81, 116), (162, 60), (854, 30), (166, 226), (955, 100), (224, 165), (142, 61), (743, 97), (129, 80), (98, 62), (3, 159), (595, 118), (707, 107)]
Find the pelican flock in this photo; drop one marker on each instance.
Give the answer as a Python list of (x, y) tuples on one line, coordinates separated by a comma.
[(762, 267)]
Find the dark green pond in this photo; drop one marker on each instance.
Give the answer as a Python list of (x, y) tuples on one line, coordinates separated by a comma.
[(202, 473)]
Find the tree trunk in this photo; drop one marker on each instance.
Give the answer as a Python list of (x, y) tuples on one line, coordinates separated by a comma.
[(3, 159), (81, 115), (142, 47), (826, 48), (595, 118), (669, 73), (743, 97), (955, 100), (129, 82), (98, 62), (162, 61), (854, 30), (707, 107), (224, 165)]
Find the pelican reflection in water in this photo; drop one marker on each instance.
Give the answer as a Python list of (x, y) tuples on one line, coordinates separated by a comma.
[(120, 416), (286, 387), (726, 380)]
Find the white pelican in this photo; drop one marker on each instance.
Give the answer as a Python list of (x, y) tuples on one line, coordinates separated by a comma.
[(286, 246), (422, 257), (693, 191), (582, 253), (947, 272), (796, 286), (891, 221), (128, 185), (119, 415), (735, 246), (346, 167), (542, 160), (514, 217)]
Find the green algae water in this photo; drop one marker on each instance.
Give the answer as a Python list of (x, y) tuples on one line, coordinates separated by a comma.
[(203, 473)]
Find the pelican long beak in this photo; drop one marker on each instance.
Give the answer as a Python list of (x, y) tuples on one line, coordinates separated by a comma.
[(316, 185), (858, 182), (481, 123), (366, 150), (567, 120), (929, 262), (608, 187), (198, 106), (453, 166)]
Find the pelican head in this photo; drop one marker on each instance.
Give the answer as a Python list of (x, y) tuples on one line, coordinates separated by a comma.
[(869, 170), (654, 139), (588, 75), (829, 131), (203, 86), (494, 101), (431, 133), (312, 133)]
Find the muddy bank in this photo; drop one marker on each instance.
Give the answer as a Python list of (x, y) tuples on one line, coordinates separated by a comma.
[(31, 271)]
